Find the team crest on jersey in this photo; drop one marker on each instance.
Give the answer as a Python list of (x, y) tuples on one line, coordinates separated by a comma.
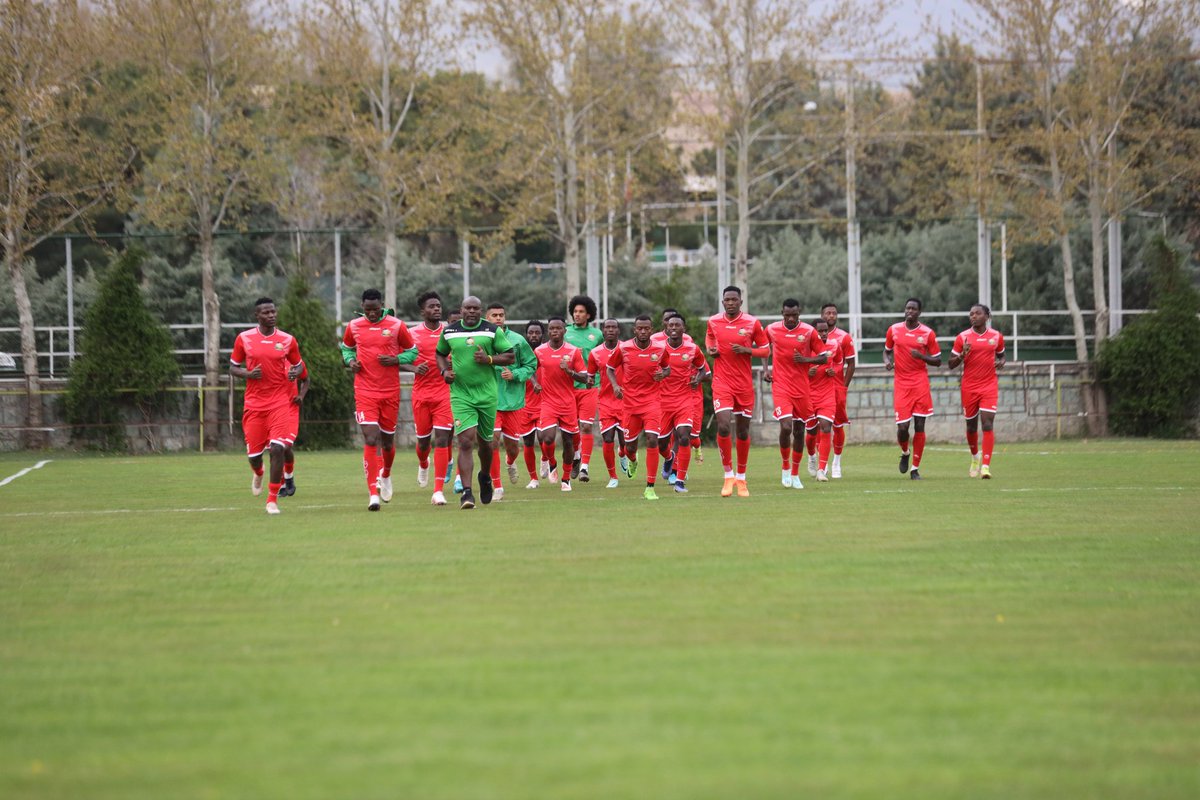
[(470, 340), (278, 346), (686, 357), (920, 340), (654, 356), (743, 332), (591, 337), (386, 332)]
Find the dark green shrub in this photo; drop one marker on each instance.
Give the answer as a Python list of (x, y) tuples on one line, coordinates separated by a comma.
[(329, 407), (1151, 370), (127, 361)]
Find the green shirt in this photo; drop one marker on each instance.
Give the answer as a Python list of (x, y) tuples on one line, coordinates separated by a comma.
[(475, 383), (586, 339), (512, 393)]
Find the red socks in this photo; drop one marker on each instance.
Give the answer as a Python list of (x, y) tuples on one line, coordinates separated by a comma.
[(548, 454), (586, 441), (496, 468), (371, 467), (258, 471), (531, 461), (725, 446), (441, 460), (839, 439), (785, 453), (973, 441), (797, 457), (824, 442), (683, 457), (610, 458), (389, 455), (422, 457), (810, 441), (651, 465), (289, 467), (273, 492), (918, 442), (743, 455), (989, 441)]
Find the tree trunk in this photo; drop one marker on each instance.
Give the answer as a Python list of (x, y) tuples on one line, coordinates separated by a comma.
[(741, 263), (1096, 221), (389, 265), (33, 436), (212, 338), (569, 225)]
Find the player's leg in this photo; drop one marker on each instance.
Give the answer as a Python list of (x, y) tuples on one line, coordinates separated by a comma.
[(987, 419), (683, 456), (799, 431), (569, 437), (279, 427), (784, 418), (742, 422), (632, 426), (485, 431), (824, 445), (840, 421), (902, 438), (258, 438), (547, 438), (423, 427), (971, 414), (587, 406), (529, 443), (441, 463), (918, 446), (652, 456), (608, 445), (723, 411)]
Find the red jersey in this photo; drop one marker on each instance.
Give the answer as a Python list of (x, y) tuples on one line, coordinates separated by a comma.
[(900, 339), (979, 367), (675, 390), (597, 361), (637, 368), (389, 336), (822, 384), (789, 378), (275, 354), (731, 371), (430, 386), (558, 387), (845, 345)]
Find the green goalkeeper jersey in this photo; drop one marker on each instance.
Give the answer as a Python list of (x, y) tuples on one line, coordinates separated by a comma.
[(586, 338), (474, 383)]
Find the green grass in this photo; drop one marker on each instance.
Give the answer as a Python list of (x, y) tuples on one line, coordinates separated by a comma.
[(1036, 635)]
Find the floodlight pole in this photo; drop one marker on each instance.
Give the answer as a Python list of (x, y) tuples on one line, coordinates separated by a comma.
[(337, 278), (70, 265), (853, 244), (983, 230), (466, 264), (722, 232)]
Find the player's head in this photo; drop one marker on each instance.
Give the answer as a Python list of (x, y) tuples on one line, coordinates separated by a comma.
[(611, 329), (265, 312), (791, 312), (829, 314), (979, 316), (731, 300), (912, 309), (430, 305), (667, 313), (822, 327), (372, 304), (582, 308), (643, 328), (495, 314), (674, 328), (535, 332), (556, 329), (472, 310), (454, 316)]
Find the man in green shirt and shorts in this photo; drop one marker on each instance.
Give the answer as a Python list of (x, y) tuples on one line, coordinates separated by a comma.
[(586, 337), (468, 353)]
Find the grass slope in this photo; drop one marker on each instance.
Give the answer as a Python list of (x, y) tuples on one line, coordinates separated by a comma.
[(1030, 636)]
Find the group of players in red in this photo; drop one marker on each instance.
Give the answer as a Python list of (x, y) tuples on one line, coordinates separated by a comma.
[(561, 380)]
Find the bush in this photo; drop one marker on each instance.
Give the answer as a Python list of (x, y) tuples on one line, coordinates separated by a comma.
[(127, 360), (1151, 369), (329, 406)]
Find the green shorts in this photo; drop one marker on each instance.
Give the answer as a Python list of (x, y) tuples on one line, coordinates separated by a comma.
[(469, 415)]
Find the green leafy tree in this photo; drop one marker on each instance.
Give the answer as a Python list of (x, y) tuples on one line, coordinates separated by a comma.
[(329, 406), (127, 361)]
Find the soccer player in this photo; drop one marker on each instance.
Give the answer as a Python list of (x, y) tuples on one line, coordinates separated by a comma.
[(535, 332), (980, 349), (667, 444), (268, 360), (432, 417), (610, 408), (289, 456), (910, 348), (733, 338), (585, 336), (636, 368), (560, 369), (511, 418), (468, 353), (824, 379), (845, 342), (684, 367), (371, 348), (795, 346)]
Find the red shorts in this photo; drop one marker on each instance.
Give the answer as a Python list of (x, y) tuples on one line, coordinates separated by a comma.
[(564, 419), (797, 406), (909, 402), (293, 421), (839, 414), (586, 401), (739, 402), (431, 415), (513, 424), (698, 414), (610, 416), (673, 418), (377, 411), (979, 398), (264, 426), (824, 405), (647, 418)]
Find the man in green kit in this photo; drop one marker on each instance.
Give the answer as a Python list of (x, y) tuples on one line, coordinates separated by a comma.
[(468, 352)]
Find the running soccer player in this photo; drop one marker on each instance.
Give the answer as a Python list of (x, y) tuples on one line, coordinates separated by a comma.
[(910, 348), (535, 332), (845, 342), (794, 347), (371, 348), (432, 417), (560, 370), (667, 445), (610, 408), (511, 417), (733, 338), (636, 368), (585, 336), (268, 360), (468, 353), (824, 379), (980, 349), (289, 456), (684, 368)]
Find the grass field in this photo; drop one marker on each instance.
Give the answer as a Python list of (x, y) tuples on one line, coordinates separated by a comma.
[(1037, 635)]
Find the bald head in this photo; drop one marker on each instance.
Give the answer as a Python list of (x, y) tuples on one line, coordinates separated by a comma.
[(472, 310)]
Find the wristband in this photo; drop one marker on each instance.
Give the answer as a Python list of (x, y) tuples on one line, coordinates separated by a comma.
[(490, 360)]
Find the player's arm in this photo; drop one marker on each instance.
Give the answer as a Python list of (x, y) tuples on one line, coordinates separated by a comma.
[(958, 351), (407, 359), (889, 359), (349, 348), (504, 354), (302, 386), (237, 363), (849, 359), (1001, 354), (526, 364), (815, 345), (615, 361), (762, 345), (934, 357), (442, 354), (710, 341)]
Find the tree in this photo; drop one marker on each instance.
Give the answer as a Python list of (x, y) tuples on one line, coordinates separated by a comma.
[(209, 76), (127, 360), (329, 406), (54, 169)]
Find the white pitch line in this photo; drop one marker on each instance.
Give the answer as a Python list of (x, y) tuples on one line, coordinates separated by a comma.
[(25, 471)]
